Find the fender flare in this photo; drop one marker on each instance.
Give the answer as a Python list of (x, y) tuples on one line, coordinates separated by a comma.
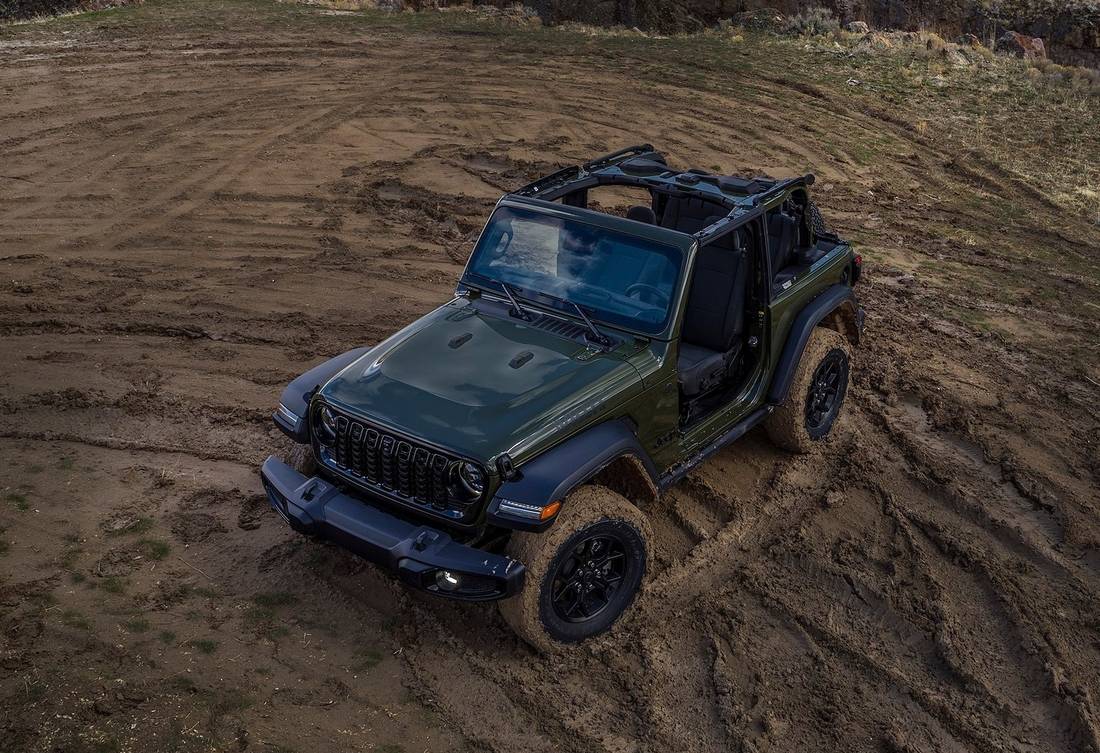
[(834, 298), (295, 397), (555, 473)]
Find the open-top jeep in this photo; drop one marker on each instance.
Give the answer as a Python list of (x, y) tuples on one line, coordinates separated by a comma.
[(506, 445)]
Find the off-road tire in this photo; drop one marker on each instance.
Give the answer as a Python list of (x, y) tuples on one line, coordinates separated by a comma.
[(300, 458), (590, 510), (817, 222), (788, 426)]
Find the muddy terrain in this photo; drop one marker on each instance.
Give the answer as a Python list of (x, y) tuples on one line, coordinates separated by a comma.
[(200, 200)]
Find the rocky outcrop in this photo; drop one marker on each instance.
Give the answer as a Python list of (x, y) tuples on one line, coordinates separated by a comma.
[(1070, 29), (1022, 46)]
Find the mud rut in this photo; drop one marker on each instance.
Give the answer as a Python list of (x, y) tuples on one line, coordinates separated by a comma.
[(204, 216)]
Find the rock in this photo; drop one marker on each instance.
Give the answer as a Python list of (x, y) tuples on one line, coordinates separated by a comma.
[(955, 56), (764, 19), (859, 27), (875, 42), (105, 706), (1022, 46)]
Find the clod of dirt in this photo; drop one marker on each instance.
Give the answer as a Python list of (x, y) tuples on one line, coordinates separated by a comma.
[(121, 522), (117, 562), (253, 511), (192, 527)]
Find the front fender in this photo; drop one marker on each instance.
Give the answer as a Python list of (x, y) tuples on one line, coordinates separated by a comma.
[(558, 471), (295, 398)]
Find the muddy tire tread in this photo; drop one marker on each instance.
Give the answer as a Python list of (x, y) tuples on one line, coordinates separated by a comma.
[(786, 426), (587, 505), (300, 458)]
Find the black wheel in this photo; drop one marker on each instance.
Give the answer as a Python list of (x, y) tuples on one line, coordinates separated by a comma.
[(826, 393), (816, 395), (582, 574), (591, 577)]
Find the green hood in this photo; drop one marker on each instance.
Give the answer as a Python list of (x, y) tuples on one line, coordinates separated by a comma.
[(482, 384)]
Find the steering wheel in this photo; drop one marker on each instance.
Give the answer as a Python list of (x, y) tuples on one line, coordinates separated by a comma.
[(642, 287)]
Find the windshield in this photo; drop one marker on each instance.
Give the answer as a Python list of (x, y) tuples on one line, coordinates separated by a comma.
[(619, 279)]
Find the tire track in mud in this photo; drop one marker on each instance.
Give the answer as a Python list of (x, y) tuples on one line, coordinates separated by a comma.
[(923, 584)]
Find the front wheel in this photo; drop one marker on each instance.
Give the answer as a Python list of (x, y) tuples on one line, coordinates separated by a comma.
[(582, 574), (300, 458), (816, 395)]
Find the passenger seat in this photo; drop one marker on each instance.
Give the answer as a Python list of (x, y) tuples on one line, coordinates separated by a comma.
[(714, 318)]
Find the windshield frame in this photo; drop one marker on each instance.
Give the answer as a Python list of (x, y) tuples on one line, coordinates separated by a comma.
[(682, 242)]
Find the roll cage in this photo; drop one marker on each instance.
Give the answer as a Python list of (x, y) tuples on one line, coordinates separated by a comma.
[(643, 166)]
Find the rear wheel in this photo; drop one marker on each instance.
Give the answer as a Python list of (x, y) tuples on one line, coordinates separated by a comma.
[(816, 395), (582, 574)]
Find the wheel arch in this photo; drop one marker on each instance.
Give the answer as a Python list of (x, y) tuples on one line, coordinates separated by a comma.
[(835, 309), (608, 454), (845, 320)]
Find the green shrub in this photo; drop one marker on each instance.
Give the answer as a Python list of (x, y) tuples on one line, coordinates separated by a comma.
[(812, 22)]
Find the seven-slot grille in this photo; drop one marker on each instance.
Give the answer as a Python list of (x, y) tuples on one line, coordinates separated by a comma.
[(412, 471)]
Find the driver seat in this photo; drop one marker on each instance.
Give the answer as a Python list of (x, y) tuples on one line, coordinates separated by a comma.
[(714, 317)]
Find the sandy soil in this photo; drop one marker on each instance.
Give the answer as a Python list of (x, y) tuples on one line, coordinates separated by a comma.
[(198, 202)]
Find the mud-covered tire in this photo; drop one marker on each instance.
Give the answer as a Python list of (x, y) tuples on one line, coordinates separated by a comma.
[(589, 513), (790, 426), (300, 458)]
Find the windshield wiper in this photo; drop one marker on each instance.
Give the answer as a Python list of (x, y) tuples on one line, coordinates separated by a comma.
[(519, 310), (597, 337)]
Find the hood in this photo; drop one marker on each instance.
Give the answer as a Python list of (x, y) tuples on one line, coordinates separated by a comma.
[(480, 383)]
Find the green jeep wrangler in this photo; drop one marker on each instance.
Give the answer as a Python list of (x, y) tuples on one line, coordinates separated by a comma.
[(507, 445)]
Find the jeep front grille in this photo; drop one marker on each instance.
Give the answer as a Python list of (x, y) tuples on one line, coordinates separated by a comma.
[(378, 459)]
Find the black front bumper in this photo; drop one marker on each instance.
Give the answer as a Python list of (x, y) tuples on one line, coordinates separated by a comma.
[(417, 553)]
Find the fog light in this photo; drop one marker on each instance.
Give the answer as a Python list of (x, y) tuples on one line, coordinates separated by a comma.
[(445, 580)]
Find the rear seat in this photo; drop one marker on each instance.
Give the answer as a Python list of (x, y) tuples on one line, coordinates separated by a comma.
[(688, 215)]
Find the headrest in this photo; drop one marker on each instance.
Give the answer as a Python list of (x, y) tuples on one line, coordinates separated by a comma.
[(641, 214), (780, 222)]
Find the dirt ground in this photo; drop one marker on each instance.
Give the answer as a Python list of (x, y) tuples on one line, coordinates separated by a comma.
[(200, 200)]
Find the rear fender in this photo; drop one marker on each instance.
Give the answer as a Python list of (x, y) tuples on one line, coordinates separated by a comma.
[(835, 308)]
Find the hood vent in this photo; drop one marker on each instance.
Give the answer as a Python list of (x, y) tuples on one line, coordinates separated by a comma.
[(521, 359), (459, 340), (560, 327)]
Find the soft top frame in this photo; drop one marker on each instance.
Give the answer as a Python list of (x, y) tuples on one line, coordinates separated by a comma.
[(644, 167)]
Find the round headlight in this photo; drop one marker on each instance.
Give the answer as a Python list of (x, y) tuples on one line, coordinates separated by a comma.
[(472, 478), (326, 428)]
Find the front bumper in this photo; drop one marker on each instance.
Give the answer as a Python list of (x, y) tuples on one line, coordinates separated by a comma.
[(417, 553)]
